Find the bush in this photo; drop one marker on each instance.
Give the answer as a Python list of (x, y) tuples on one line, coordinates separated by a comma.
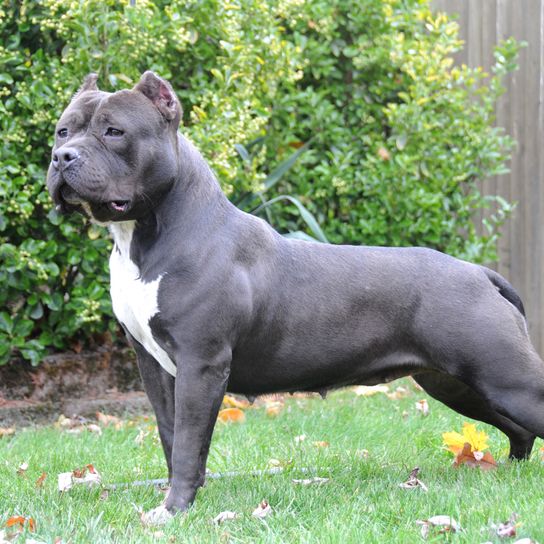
[(392, 139), (401, 138)]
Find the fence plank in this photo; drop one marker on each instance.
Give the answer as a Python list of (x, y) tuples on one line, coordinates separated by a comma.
[(520, 111)]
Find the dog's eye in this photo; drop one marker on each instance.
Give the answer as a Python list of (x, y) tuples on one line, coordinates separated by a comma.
[(62, 132), (110, 131)]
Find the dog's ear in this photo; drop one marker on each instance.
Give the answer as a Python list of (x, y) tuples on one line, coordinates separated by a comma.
[(160, 92), (89, 84)]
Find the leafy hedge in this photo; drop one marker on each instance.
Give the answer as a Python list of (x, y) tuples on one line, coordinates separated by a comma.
[(391, 139)]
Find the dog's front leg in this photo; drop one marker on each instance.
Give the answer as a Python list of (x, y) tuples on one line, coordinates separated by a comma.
[(200, 386)]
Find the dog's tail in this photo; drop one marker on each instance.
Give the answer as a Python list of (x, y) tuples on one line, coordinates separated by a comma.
[(505, 289)]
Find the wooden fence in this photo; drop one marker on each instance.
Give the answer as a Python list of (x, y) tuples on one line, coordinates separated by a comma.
[(483, 23)]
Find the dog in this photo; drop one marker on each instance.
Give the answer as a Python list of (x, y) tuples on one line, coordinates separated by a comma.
[(213, 299)]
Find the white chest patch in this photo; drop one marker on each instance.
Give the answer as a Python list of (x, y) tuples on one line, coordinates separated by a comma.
[(134, 301)]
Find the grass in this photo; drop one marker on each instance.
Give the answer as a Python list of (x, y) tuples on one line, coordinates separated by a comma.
[(362, 502)]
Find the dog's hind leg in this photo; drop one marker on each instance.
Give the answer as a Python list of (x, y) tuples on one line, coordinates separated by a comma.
[(466, 401)]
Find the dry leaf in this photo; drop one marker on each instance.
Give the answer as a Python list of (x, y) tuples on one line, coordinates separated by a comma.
[(399, 393), (263, 510), (272, 409), (231, 415), (321, 444), (67, 422), (41, 479), (438, 524), (506, 529), (423, 407), (233, 402), (467, 457), (369, 390), (6, 431), (309, 481), (224, 516), (412, 482), (87, 475), (93, 428), (107, 420), (19, 522)]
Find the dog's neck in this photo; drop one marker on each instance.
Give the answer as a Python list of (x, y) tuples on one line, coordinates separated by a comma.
[(192, 209), (194, 197)]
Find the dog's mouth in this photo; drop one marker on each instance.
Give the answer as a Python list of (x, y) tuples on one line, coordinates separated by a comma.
[(71, 197), (120, 206)]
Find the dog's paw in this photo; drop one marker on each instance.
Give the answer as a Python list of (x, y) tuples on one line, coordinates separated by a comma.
[(157, 516)]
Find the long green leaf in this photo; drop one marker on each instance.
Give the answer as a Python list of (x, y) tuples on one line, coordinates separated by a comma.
[(306, 215), (283, 167)]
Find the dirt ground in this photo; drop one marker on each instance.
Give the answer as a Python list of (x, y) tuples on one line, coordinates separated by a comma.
[(73, 384)]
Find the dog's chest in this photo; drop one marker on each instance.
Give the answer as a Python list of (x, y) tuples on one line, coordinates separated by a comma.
[(134, 301)]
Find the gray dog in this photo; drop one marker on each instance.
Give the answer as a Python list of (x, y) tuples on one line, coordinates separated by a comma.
[(215, 300)]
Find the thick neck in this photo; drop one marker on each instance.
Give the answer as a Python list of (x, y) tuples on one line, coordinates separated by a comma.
[(195, 196), (191, 210)]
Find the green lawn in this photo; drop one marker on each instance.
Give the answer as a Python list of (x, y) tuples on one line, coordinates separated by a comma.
[(362, 502)]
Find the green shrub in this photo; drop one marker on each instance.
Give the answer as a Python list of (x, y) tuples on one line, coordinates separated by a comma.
[(401, 138), (392, 139)]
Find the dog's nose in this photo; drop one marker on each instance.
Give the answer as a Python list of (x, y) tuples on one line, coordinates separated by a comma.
[(64, 157)]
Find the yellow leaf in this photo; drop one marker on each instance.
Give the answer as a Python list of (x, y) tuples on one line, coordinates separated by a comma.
[(231, 414), (477, 439), (456, 441), (233, 402)]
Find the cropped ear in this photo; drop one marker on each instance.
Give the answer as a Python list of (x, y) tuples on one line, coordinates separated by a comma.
[(160, 92), (89, 84)]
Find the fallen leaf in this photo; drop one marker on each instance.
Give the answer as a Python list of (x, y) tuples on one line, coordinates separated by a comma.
[(224, 516), (107, 419), (412, 482), (87, 475), (41, 480), (438, 524), (263, 510), (15, 521), (18, 523), (233, 402), (467, 457), (309, 481), (272, 409), (67, 423), (231, 415), (399, 393), (423, 407), (6, 431), (506, 529), (321, 444), (93, 428), (369, 390), (64, 481), (476, 439)]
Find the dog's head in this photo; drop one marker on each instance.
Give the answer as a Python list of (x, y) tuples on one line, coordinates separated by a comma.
[(116, 154)]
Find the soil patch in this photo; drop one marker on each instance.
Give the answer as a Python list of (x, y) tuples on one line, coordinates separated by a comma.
[(105, 380)]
